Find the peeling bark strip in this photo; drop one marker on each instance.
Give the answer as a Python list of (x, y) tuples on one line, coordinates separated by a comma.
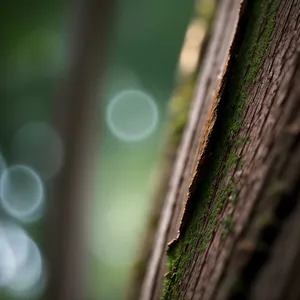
[(242, 213), (213, 64)]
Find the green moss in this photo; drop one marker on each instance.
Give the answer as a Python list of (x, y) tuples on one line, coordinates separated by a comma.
[(210, 197), (228, 224), (232, 160), (234, 191)]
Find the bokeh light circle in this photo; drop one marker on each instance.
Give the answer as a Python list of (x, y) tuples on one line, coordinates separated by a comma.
[(132, 115), (2, 164), (14, 248), (29, 278), (21, 191), (35, 215), (112, 230), (2, 167), (7, 261)]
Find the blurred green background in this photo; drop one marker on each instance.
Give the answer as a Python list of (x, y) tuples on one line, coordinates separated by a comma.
[(145, 46)]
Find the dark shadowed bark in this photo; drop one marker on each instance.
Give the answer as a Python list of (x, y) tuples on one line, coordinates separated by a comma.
[(237, 174)]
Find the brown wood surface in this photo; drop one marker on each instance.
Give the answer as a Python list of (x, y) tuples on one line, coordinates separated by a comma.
[(210, 71), (260, 258)]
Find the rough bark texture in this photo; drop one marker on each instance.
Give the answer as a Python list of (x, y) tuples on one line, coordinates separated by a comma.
[(213, 63), (237, 174)]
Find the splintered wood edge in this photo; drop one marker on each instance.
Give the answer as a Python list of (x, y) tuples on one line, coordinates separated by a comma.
[(203, 152)]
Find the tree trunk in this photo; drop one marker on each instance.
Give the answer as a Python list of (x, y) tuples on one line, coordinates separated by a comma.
[(76, 112), (235, 190)]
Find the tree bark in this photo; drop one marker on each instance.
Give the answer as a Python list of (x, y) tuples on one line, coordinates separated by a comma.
[(235, 190)]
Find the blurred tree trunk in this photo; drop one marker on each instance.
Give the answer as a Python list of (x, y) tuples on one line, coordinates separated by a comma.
[(237, 174), (76, 112)]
